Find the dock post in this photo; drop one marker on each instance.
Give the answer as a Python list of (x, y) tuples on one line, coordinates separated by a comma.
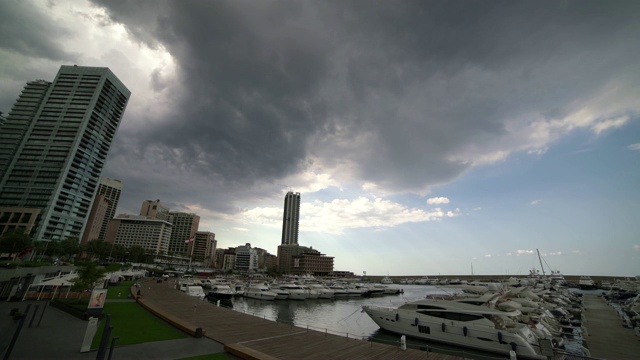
[(512, 355), (403, 342)]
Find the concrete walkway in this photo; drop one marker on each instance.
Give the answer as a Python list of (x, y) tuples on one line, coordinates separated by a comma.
[(60, 336)]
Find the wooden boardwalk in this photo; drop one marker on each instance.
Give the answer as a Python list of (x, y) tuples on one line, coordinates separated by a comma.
[(607, 337), (250, 337)]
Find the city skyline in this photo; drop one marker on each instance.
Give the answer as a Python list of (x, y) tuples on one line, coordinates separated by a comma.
[(424, 137)]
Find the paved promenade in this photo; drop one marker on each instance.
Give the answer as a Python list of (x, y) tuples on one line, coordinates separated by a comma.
[(59, 336), (607, 337)]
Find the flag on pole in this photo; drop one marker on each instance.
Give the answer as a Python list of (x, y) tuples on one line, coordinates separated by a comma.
[(189, 240)]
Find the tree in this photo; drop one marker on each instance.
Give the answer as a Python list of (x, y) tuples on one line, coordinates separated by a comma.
[(99, 249), (88, 276), (69, 247), (15, 242), (136, 253)]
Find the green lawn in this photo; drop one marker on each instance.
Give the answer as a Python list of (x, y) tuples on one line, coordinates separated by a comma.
[(134, 325), (120, 291)]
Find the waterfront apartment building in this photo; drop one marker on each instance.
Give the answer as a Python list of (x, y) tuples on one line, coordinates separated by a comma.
[(226, 259), (202, 249), (151, 234), (96, 219), (103, 209), (54, 144), (110, 189), (185, 226), (266, 261), (296, 259), (291, 218), (246, 258)]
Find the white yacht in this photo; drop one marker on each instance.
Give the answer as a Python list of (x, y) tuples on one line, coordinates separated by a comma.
[(323, 291), (386, 280), (281, 294), (586, 283), (220, 291), (296, 292), (461, 324), (260, 292), (195, 291), (339, 291)]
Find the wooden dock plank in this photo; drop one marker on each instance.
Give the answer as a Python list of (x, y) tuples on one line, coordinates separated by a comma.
[(607, 337), (251, 337)]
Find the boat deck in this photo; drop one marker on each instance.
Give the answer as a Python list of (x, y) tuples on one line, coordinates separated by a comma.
[(250, 337), (607, 337)]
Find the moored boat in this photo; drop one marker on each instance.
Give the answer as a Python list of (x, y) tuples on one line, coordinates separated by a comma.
[(460, 324), (260, 292), (586, 283), (220, 291)]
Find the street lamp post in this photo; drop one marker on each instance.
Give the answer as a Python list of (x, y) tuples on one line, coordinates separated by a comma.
[(111, 252)]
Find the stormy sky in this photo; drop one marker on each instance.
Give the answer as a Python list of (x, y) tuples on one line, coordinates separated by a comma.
[(425, 137)]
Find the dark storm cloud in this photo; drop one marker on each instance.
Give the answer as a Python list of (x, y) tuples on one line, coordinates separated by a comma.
[(27, 32), (269, 83)]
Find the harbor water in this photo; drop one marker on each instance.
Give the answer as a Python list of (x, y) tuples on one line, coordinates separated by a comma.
[(344, 317)]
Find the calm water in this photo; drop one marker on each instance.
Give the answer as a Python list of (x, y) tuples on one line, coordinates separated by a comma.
[(344, 316)]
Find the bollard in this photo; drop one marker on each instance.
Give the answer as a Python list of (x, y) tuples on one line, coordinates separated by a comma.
[(512, 355), (403, 342)]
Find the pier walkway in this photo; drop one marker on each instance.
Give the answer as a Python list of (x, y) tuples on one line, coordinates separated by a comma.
[(251, 337), (607, 337)]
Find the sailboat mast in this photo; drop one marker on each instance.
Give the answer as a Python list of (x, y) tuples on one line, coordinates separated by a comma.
[(540, 259)]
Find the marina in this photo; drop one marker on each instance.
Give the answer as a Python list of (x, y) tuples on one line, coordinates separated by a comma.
[(344, 318)]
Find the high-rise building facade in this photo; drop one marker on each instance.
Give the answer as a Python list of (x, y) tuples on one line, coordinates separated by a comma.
[(130, 230), (202, 249), (291, 218), (96, 219), (296, 259), (103, 209), (54, 144), (185, 226), (154, 209), (111, 190)]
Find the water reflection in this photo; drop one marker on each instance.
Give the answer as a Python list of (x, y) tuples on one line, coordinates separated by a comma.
[(344, 316)]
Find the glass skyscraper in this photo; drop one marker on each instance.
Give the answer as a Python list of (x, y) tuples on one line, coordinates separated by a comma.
[(291, 218), (54, 144)]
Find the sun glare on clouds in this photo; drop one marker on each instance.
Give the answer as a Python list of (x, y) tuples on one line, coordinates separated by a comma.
[(98, 41)]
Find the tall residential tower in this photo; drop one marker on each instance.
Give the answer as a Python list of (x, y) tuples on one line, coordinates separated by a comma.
[(54, 144), (291, 218)]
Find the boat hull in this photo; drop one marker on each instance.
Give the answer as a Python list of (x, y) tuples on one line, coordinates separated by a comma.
[(219, 296), (446, 331)]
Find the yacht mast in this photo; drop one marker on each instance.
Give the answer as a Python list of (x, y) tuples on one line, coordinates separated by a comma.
[(540, 259)]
